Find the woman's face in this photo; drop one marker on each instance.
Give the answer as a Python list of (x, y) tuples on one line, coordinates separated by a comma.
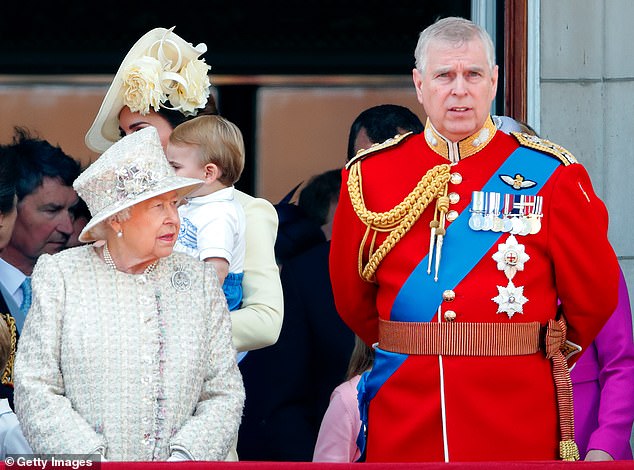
[(130, 122), (7, 221), (152, 229)]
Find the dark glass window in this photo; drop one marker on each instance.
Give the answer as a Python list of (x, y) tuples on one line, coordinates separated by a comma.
[(243, 37)]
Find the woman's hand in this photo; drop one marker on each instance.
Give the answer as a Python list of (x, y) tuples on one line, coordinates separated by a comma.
[(596, 455)]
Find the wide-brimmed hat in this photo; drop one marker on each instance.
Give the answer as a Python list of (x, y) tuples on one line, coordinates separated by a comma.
[(132, 170), (160, 70)]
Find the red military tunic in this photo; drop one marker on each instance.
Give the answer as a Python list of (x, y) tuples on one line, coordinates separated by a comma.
[(466, 408)]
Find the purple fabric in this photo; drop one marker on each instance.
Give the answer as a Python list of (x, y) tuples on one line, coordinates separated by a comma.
[(603, 386)]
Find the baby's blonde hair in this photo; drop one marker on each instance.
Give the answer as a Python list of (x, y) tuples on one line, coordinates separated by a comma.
[(219, 140)]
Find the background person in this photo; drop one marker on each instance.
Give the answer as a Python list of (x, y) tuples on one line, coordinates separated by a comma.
[(148, 386), (340, 427), (8, 214), (12, 440), (43, 180), (81, 216)]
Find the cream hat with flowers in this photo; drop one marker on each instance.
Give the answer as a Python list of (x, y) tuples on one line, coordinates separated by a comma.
[(132, 170), (160, 70)]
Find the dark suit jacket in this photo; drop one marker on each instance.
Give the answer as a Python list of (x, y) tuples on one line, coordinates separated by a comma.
[(288, 385)]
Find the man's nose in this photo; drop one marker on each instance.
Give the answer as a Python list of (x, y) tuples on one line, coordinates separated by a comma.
[(459, 85), (65, 224)]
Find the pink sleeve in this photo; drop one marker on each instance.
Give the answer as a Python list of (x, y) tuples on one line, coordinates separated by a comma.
[(337, 439), (615, 348)]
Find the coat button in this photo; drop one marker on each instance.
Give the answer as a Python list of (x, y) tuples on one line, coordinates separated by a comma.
[(455, 178), (452, 215), (448, 295), (454, 198), (450, 315)]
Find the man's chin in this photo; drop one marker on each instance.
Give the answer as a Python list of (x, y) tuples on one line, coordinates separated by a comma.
[(52, 248)]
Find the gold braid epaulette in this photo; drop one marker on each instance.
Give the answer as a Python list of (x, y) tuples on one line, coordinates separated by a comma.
[(545, 146), (363, 153), (399, 220), (7, 374)]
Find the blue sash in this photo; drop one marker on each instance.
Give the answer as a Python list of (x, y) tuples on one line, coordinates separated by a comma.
[(463, 248)]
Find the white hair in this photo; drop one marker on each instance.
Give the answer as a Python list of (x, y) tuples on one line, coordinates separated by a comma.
[(100, 231), (453, 30)]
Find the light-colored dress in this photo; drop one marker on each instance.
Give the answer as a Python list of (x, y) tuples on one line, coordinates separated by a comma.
[(337, 439), (132, 366)]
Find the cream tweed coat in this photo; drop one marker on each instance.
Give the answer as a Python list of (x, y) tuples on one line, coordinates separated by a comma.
[(127, 365)]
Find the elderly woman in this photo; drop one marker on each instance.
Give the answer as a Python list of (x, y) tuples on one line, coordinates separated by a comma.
[(162, 82), (126, 350)]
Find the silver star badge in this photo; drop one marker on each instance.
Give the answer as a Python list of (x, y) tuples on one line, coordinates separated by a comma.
[(510, 257), (510, 299)]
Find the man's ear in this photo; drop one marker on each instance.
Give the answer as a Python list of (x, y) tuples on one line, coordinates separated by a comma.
[(417, 78)]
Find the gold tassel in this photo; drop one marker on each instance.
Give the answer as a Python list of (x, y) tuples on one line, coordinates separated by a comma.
[(442, 205), (568, 451)]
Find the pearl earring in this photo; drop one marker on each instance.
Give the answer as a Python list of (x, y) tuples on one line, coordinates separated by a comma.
[(120, 234)]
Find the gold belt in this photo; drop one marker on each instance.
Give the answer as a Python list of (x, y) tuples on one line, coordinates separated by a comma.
[(492, 339)]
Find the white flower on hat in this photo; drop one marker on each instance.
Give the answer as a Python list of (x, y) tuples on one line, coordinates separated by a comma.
[(142, 85), (165, 74), (161, 70), (193, 92), (133, 180)]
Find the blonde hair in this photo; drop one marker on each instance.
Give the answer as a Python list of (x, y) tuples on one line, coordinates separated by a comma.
[(219, 140)]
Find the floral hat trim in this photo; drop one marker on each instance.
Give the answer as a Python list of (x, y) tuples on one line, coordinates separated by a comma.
[(161, 70), (161, 76)]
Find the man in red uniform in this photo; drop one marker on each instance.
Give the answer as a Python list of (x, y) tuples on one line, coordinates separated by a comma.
[(451, 249)]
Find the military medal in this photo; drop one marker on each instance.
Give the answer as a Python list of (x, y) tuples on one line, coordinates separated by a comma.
[(492, 209), (517, 225), (536, 215), (510, 259), (477, 208), (526, 202), (510, 299), (487, 223), (507, 223)]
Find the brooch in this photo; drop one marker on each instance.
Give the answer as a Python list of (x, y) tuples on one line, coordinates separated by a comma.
[(181, 280)]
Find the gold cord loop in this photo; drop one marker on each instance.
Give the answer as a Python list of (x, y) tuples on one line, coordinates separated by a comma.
[(400, 219)]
